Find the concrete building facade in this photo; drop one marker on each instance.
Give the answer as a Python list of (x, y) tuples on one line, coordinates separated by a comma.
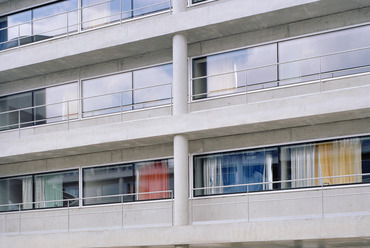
[(158, 123)]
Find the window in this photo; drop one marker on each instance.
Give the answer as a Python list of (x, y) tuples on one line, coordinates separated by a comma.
[(152, 86), (107, 94), (303, 59), (154, 179), (38, 107), (100, 12), (38, 23), (332, 161), (306, 165), (222, 173), (126, 91), (308, 49), (105, 183), (16, 111), (232, 72), (56, 103), (56, 189), (14, 191), (135, 180)]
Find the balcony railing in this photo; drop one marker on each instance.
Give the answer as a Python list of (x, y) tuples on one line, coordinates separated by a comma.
[(319, 201), (73, 110), (76, 21), (326, 66), (69, 214), (326, 69)]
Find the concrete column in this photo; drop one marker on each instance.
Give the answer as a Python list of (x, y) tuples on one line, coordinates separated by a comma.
[(179, 6), (180, 74), (181, 180)]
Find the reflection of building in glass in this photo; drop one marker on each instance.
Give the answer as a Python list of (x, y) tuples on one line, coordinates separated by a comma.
[(184, 123)]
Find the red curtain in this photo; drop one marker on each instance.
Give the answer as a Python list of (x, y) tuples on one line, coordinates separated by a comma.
[(154, 176)]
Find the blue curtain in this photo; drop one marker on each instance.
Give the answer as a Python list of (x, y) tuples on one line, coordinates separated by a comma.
[(243, 168)]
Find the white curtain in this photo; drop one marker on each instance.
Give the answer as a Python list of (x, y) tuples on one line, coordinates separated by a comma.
[(27, 192), (223, 84), (302, 165), (267, 173), (212, 175), (49, 188)]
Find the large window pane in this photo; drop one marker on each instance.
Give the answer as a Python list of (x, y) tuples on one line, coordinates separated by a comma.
[(55, 189), (108, 181), (142, 7), (330, 162), (238, 70), (56, 103), (107, 94), (152, 86), (99, 12), (3, 32), (53, 19), (222, 173), (308, 68), (154, 179), (14, 191), (18, 115)]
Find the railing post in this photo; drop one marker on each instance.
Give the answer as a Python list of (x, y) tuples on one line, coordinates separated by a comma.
[(68, 115), (172, 212), (20, 218), (19, 124), (248, 205), (122, 211), (67, 24), (320, 76), (68, 216), (322, 200), (19, 37)]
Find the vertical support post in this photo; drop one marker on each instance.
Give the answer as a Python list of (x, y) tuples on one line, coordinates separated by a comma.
[(181, 179), (180, 72), (19, 123)]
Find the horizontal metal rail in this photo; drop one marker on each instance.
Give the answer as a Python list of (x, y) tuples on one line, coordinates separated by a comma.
[(319, 73), (79, 24), (285, 181), (74, 110)]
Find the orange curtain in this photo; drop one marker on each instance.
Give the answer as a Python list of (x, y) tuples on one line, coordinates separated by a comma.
[(339, 158), (153, 176)]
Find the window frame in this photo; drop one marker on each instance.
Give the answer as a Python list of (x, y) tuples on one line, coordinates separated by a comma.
[(205, 55), (269, 146)]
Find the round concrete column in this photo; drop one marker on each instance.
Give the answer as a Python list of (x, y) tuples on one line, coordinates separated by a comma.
[(181, 180), (179, 6), (180, 74)]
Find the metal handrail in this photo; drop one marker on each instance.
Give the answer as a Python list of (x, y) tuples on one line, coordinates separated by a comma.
[(79, 11), (283, 181), (77, 199), (78, 101), (277, 81), (282, 63)]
